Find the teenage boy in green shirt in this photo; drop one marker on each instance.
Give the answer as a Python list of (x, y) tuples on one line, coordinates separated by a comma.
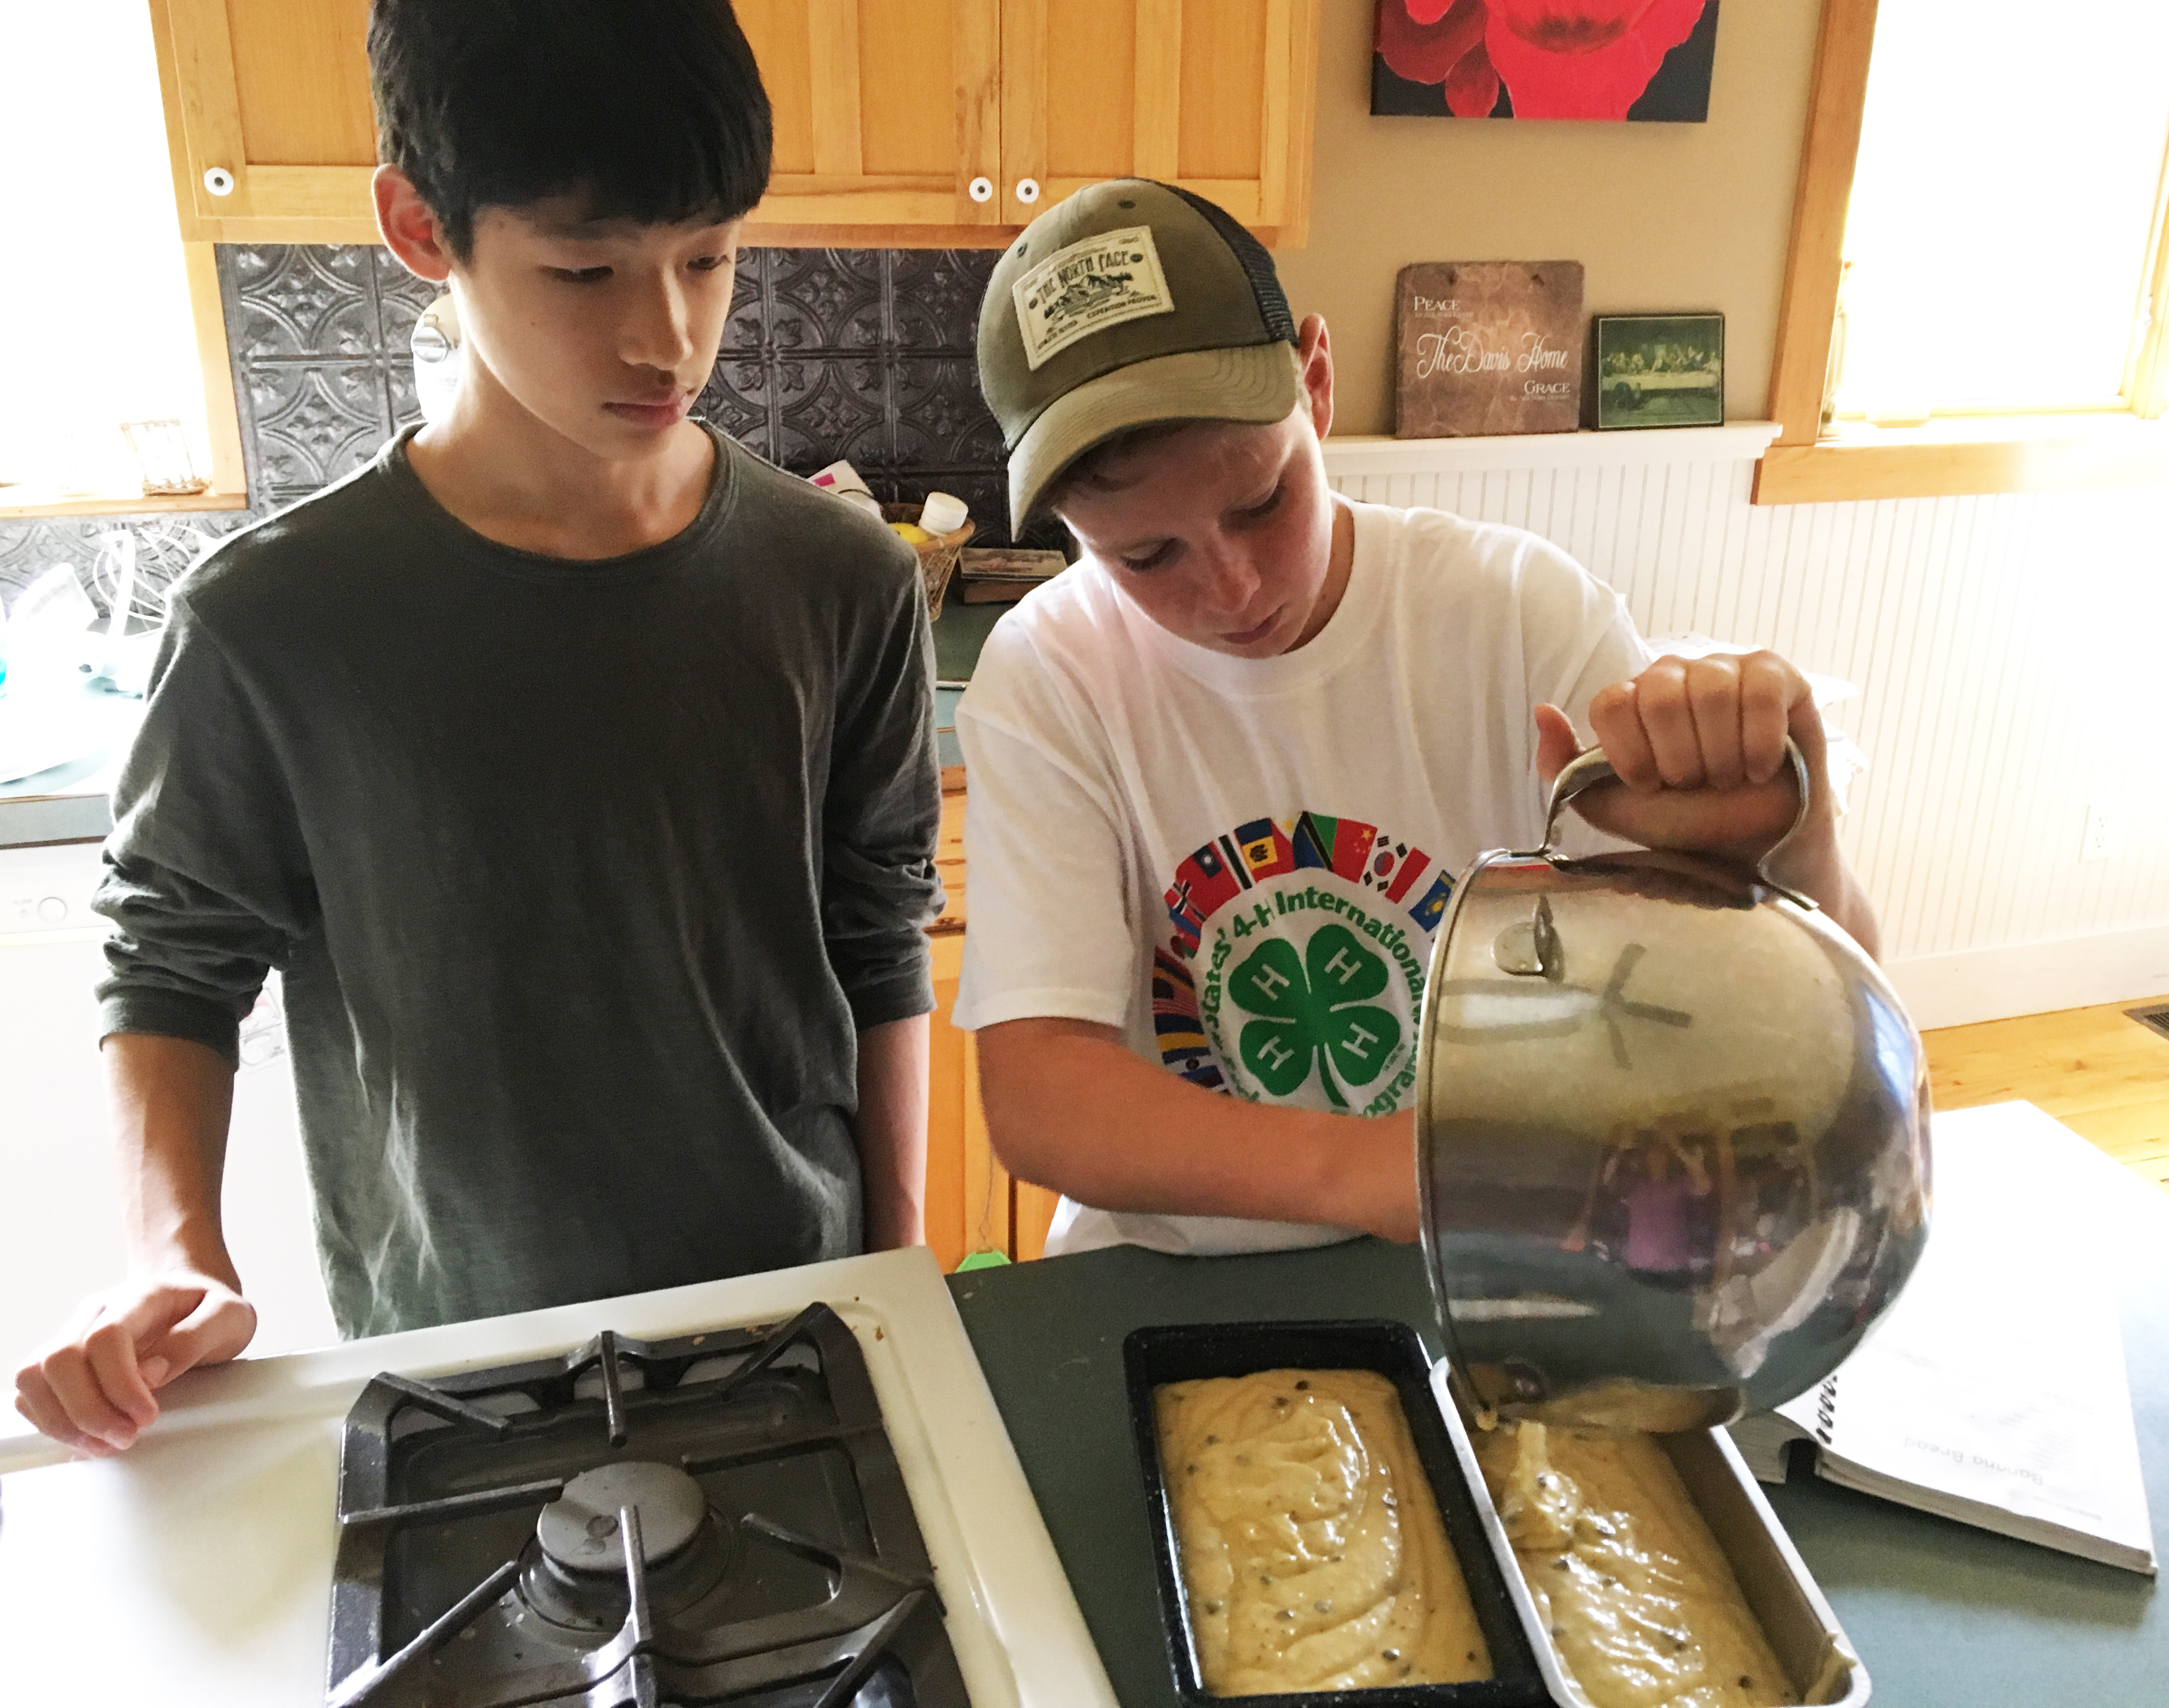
[(574, 765), (1225, 768)]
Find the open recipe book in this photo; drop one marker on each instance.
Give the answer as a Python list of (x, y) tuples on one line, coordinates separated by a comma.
[(1994, 1392)]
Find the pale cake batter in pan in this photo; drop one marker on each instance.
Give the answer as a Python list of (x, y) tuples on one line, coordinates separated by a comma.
[(1641, 1604), (1311, 1546)]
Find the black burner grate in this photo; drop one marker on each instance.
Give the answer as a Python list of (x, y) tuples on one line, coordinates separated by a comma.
[(806, 1582)]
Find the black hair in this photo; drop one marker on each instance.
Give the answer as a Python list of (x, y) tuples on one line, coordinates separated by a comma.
[(651, 111)]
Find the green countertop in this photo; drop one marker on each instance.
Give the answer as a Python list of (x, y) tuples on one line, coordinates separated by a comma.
[(1049, 1336), (1940, 1613), (959, 633)]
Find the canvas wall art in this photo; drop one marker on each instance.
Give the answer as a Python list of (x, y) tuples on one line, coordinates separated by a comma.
[(1544, 59)]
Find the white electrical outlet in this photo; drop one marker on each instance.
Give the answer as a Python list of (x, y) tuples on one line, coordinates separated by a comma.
[(2099, 841)]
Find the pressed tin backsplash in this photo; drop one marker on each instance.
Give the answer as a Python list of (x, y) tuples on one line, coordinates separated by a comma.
[(2006, 647), (866, 354)]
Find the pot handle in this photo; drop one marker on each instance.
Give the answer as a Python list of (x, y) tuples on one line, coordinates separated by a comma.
[(1592, 768)]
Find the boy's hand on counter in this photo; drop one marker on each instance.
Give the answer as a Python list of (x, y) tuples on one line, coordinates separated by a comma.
[(94, 1389), (1699, 745)]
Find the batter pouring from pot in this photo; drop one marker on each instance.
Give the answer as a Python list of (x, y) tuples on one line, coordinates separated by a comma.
[(1224, 769)]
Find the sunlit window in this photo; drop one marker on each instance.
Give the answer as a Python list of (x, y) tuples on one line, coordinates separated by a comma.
[(95, 327), (2007, 209)]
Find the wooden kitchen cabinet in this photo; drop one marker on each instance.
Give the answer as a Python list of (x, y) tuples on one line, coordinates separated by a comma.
[(972, 1203), (274, 95), (1213, 95), (886, 113), (898, 122), (968, 1191)]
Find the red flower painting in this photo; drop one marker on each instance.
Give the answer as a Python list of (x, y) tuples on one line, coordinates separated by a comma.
[(1556, 59)]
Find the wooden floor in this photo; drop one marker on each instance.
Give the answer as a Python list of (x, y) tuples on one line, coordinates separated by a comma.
[(2102, 1074)]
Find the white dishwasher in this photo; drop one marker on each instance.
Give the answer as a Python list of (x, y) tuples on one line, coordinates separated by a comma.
[(60, 1217)]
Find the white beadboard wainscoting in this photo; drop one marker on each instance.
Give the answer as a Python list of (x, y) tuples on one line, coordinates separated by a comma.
[(2012, 657)]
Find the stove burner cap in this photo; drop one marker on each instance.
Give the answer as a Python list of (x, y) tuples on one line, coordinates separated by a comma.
[(578, 1529)]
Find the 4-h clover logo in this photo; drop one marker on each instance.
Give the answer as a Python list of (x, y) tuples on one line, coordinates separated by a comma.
[(1314, 1009)]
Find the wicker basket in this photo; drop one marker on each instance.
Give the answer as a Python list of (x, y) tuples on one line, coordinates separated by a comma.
[(937, 558)]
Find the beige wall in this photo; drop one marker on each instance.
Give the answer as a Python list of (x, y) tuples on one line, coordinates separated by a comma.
[(1662, 216)]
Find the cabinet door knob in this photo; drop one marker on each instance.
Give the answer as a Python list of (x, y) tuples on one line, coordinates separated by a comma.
[(980, 190), (1027, 190), (219, 181)]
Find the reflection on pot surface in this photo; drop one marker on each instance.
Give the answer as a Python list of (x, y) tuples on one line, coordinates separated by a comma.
[(1473, 1011), (1673, 1133)]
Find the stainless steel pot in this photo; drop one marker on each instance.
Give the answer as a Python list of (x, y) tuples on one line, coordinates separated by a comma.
[(1672, 1134)]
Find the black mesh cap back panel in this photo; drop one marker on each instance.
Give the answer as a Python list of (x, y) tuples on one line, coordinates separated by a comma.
[(1257, 265)]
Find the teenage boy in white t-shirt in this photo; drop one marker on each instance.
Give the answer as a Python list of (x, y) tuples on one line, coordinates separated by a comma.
[(1225, 769)]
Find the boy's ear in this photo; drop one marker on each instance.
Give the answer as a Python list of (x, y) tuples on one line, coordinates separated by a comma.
[(1314, 353), (409, 226)]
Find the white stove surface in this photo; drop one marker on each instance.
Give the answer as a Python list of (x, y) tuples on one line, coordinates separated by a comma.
[(197, 1568)]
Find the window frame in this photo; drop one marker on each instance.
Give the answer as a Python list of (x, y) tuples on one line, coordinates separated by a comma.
[(1952, 456), (229, 481)]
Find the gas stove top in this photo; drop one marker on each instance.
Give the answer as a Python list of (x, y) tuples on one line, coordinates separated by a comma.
[(662, 1499), (714, 1518)]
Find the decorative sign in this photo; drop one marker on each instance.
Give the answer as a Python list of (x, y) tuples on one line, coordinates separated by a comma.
[(1489, 347), (1544, 59), (1659, 369)]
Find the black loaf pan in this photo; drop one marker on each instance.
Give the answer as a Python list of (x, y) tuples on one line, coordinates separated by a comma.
[(1185, 1352)]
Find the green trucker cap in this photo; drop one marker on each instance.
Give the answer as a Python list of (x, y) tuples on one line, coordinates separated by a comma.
[(1129, 303)]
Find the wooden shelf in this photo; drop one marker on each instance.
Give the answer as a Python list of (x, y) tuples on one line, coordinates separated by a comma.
[(1360, 454), (26, 501)]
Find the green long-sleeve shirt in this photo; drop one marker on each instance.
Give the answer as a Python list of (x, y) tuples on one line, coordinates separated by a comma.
[(582, 878)]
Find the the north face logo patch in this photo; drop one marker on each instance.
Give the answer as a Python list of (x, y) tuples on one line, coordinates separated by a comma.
[(1087, 287)]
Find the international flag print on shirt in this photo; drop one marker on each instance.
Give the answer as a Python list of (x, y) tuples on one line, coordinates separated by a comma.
[(1214, 874), (1264, 848), (1427, 912), (1394, 867), (1176, 1024), (1348, 848), (1338, 845)]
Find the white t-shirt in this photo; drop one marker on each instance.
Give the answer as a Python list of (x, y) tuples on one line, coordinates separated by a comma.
[(1240, 862)]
